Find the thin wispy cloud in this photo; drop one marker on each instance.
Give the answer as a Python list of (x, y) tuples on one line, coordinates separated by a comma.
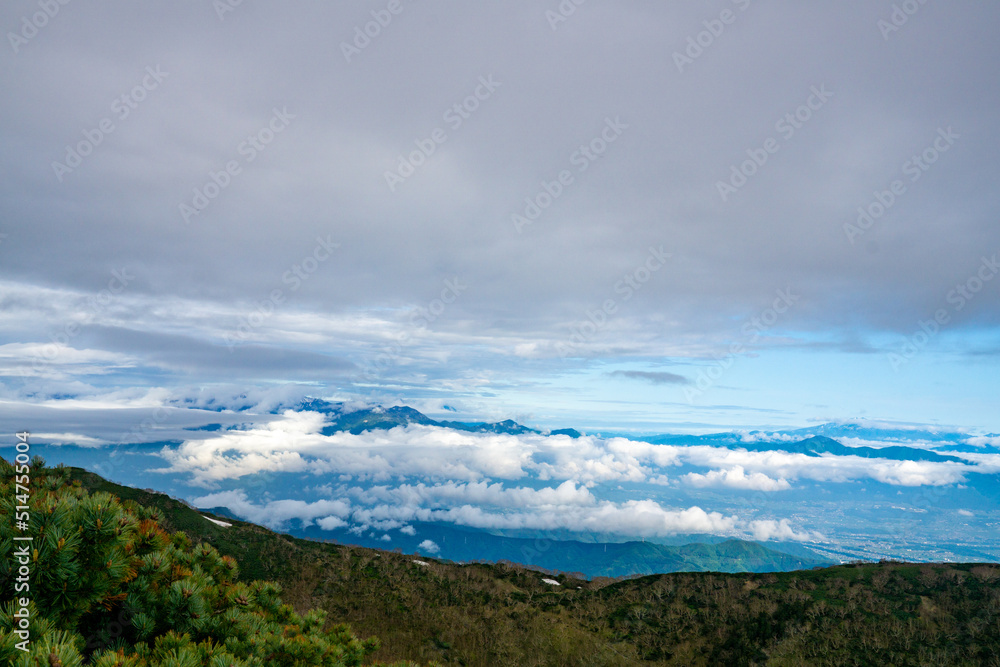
[(656, 377)]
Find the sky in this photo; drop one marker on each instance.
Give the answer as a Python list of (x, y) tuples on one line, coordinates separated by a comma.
[(611, 216)]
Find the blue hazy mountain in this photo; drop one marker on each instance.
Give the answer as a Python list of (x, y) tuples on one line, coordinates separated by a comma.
[(376, 418), (813, 443), (507, 426), (592, 559), (818, 445), (874, 431), (381, 418)]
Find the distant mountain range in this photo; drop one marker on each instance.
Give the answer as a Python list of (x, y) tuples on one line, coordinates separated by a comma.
[(377, 418), (819, 445), (876, 431), (589, 559), (380, 418)]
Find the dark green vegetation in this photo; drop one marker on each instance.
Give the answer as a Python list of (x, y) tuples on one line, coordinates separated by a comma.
[(109, 587), (870, 614)]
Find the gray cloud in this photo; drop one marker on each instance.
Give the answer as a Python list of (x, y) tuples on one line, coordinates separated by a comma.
[(323, 175), (656, 377)]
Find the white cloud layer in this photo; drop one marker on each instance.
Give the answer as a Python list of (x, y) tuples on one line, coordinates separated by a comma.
[(391, 478), (633, 518), (294, 443), (737, 478)]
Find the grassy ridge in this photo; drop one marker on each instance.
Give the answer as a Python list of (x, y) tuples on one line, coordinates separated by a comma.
[(871, 614)]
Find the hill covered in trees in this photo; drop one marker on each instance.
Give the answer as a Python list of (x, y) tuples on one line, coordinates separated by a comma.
[(89, 578), (476, 614)]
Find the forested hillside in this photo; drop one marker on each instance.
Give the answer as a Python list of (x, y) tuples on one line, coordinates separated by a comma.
[(866, 614)]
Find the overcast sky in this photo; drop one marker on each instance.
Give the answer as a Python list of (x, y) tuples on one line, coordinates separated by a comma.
[(631, 215)]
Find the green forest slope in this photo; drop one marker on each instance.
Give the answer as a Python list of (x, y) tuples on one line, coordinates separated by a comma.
[(863, 614)]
